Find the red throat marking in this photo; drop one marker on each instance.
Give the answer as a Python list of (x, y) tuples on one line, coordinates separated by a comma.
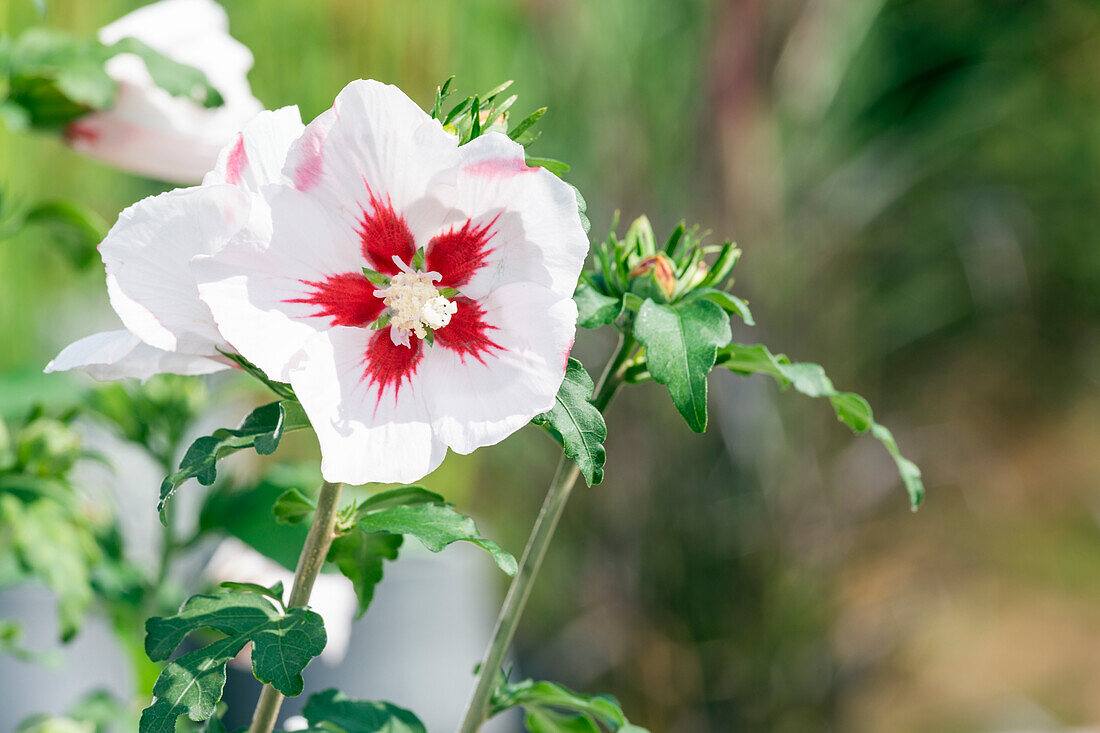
[(459, 253), (388, 364), (383, 234), (348, 299), (466, 334)]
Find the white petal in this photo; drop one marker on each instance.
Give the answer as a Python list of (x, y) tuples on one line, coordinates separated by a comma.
[(247, 284), (120, 355), (257, 154), (537, 236), (147, 130), (373, 139), (476, 403), (364, 436), (148, 252)]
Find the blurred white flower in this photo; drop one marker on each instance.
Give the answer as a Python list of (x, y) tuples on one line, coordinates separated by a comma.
[(150, 132), (333, 597), (148, 252)]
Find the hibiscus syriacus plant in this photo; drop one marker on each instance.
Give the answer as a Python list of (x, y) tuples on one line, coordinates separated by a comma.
[(404, 282)]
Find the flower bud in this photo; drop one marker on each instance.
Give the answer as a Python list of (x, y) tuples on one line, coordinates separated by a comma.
[(663, 273)]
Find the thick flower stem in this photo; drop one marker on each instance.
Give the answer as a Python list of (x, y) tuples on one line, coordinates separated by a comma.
[(314, 552), (520, 590)]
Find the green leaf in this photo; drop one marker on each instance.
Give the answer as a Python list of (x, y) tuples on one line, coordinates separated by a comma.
[(293, 507), (811, 380), (179, 80), (245, 512), (396, 497), (275, 592), (729, 303), (282, 646), (557, 167), (282, 389), (333, 711), (681, 342), (553, 707), (582, 209), (359, 557), (594, 309), (576, 423), (262, 430), (76, 227), (436, 526)]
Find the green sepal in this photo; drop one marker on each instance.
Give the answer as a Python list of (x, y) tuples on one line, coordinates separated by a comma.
[(557, 167), (376, 277)]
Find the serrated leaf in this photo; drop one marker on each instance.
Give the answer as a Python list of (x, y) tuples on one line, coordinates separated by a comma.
[(334, 712), (359, 557), (811, 380), (436, 526), (558, 709), (577, 424), (282, 646), (262, 430), (681, 342), (292, 507), (594, 309)]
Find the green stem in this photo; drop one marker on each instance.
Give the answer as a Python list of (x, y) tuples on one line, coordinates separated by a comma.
[(314, 552), (520, 590)]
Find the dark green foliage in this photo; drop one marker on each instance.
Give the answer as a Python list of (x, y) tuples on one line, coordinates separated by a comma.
[(283, 643), (262, 429), (332, 712), (576, 423)]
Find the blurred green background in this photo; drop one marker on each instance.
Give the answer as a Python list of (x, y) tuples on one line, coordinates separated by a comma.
[(914, 184)]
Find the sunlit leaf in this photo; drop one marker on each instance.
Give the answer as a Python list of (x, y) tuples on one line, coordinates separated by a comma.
[(576, 423), (262, 430), (681, 342), (282, 645), (811, 380)]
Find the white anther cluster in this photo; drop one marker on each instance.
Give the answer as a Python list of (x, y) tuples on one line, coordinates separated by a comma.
[(415, 305)]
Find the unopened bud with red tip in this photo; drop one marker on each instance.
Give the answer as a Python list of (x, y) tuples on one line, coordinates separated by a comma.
[(662, 271)]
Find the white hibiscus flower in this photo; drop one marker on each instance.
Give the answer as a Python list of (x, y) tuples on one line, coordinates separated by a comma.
[(481, 254)]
